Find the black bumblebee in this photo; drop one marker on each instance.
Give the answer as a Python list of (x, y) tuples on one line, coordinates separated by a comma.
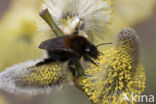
[(69, 48)]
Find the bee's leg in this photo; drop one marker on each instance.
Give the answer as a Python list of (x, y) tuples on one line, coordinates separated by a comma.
[(46, 61), (86, 58), (71, 68)]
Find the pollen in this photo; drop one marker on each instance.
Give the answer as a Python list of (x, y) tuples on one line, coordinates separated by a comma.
[(119, 71), (42, 76)]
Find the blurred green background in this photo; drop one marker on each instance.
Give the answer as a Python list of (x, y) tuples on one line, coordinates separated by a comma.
[(70, 95)]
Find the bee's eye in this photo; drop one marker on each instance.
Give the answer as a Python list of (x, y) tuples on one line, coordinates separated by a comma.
[(87, 49)]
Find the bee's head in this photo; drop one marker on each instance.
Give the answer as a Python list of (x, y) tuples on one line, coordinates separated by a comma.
[(91, 50)]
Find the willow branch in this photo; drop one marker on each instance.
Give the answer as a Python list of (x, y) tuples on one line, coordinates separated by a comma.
[(79, 69), (50, 21)]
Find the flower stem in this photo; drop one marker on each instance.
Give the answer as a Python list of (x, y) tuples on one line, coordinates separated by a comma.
[(79, 69), (50, 21)]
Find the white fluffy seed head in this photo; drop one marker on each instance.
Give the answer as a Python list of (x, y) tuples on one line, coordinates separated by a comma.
[(93, 16), (26, 78)]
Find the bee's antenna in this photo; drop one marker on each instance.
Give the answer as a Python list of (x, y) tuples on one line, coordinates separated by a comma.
[(103, 44)]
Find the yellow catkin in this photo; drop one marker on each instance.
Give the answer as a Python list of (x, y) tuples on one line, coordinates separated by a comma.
[(119, 71), (42, 76)]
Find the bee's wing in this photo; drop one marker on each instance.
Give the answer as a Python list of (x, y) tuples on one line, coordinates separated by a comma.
[(53, 44)]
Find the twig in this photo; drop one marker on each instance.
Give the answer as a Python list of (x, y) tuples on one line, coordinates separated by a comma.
[(50, 21)]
